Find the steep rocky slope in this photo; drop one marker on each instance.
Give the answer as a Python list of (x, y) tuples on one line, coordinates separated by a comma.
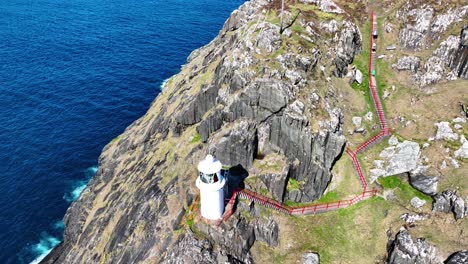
[(274, 103)]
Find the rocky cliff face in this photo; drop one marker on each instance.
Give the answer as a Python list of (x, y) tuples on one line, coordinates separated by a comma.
[(245, 93), (422, 27)]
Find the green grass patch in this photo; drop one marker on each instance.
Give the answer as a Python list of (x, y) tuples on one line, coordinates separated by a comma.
[(293, 184), (331, 196), (196, 138), (405, 191), (390, 182)]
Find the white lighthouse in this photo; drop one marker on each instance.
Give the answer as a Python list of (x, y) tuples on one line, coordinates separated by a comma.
[(211, 184)]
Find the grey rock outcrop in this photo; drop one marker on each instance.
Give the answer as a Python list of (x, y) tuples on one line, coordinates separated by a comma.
[(408, 63), (276, 183), (406, 251), (443, 202), (311, 258), (417, 22), (238, 146), (191, 250), (460, 257), (447, 202), (349, 44), (424, 184), (314, 164), (267, 231)]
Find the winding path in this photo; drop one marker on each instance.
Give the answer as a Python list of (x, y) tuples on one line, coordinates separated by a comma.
[(325, 207)]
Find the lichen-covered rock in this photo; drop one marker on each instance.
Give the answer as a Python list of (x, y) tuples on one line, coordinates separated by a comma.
[(406, 251), (462, 152), (460, 257), (408, 63), (417, 22)]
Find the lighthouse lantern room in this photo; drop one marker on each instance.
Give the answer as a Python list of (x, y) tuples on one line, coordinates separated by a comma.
[(211, 184)]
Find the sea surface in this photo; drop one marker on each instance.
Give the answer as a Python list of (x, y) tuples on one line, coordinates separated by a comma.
[(73, 75)]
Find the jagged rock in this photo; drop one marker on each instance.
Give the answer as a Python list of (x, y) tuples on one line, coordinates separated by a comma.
[(311, 258), (424, 184), (315, 153), (357, 121), (191, 250), (416, 202), (267, 231), (443, 202), (369, 116), (276, 183), (408, 63), (460, 257), (406, 251), (349, 44), (445, 132), (417, 22), (238, 146)]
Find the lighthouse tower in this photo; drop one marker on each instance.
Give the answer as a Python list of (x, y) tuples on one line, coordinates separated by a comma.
[(211, 184)]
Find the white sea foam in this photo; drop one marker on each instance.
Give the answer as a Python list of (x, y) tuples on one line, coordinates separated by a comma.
[(164, 84), (59, 224), (45, 245), (79, 186)]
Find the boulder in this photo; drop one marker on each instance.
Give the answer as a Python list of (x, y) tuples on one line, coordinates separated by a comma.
[(406, 251), (424, 184), (269, 38), (311, 258), (443, 202), (405, 158), (460, 257)]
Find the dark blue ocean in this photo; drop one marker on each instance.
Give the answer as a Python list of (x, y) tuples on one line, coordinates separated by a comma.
[(73, 75)]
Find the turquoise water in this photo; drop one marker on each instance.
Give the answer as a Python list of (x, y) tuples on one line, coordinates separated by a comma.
[(73, 75)]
